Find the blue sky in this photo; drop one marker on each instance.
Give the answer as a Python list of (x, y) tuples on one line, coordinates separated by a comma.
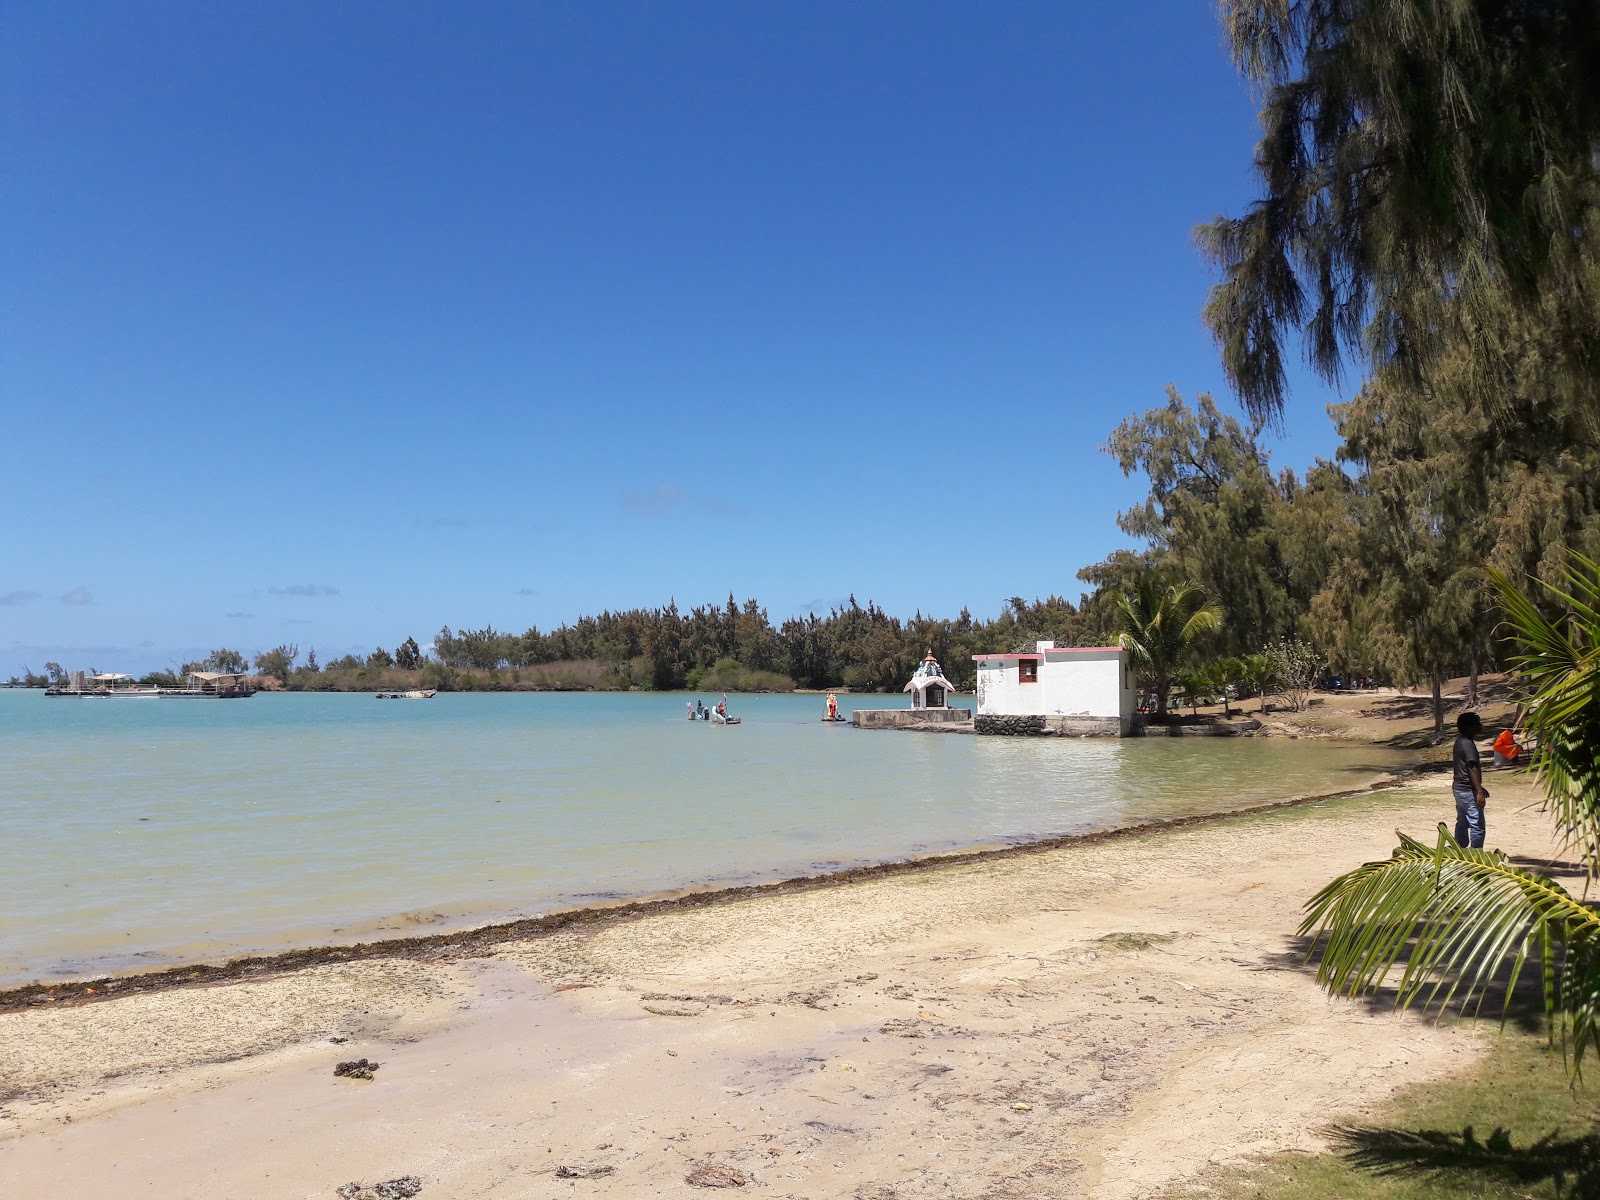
[(334, 323)]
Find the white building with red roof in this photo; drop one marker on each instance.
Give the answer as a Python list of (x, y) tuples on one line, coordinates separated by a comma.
[(1074, 690)]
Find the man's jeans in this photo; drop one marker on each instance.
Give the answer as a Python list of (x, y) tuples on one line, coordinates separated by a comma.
[(1469, 819)]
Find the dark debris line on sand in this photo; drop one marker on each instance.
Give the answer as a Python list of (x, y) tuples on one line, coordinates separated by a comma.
[(583, 1171), (716, 1175), (393, 1189), (485, 941), (358, 1068)]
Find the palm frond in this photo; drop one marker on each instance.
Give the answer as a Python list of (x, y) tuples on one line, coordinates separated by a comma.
[(1558, 662), (1458, 917)]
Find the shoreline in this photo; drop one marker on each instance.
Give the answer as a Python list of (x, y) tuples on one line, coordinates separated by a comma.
[(1108, 1018), (476, 940)]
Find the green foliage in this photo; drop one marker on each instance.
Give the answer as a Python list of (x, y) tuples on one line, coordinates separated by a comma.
[(1296, 666), (1161, 627), (440, 675), (278, 662), (1216, 516), (1224, 676), (1194, 688), (1427, 168), (730, 675), (1558, 662), (1456, 916), (855, 646), (1260, 675), (1264, 546), (380, 658), (407, 655)]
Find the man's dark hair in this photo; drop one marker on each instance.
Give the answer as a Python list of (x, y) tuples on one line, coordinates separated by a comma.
[(1469, 723)]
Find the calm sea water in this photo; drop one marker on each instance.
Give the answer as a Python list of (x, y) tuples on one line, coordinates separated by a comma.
[(142, 832)]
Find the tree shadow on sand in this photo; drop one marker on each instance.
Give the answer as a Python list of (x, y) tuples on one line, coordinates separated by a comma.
[(1572, 1164), (1522, 1007), (1419, 710)]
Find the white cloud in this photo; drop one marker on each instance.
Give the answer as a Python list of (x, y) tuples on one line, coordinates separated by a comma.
[(667, 498)]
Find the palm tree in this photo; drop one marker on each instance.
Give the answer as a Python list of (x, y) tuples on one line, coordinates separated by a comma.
[(1161, 626), (1469, 910), (1192, 686), (1225, 673), (1260, 674)]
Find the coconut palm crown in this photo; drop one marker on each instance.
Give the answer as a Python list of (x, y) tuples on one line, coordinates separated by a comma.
[(1161, 627)]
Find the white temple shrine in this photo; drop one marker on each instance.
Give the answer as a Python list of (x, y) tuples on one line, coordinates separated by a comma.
[(928, 687), (930, 705)]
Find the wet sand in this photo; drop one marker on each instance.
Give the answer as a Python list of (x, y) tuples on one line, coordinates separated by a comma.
[(1097, 1019)]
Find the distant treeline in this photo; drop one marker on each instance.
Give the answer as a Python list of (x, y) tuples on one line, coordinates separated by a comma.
[(732, 647)]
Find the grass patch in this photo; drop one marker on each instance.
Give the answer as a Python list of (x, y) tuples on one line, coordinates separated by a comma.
[(1510, 1127)]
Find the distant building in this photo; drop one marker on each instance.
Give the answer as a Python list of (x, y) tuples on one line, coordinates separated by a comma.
[(1071, 690), (928, 687), (930, 705)]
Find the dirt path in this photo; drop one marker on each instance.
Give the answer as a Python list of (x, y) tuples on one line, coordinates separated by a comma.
[(1102, 1020)]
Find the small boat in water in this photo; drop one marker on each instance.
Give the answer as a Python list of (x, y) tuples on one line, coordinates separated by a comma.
[(413, 694), (718, 719)]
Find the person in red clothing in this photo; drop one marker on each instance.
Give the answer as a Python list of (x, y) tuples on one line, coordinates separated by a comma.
[(1506, 750)]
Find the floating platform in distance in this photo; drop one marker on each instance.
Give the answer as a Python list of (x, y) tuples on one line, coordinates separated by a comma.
[(927, 720)]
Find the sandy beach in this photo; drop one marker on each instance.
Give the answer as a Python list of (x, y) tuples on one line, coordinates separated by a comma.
[(1105, 1019)]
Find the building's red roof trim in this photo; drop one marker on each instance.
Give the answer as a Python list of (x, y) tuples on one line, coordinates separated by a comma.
[(1042, 653)]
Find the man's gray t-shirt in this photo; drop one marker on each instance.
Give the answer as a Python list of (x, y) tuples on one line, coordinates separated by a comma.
[(1464, 757)]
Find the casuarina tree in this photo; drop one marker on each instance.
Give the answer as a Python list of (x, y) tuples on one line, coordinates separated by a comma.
[(1429, 174)]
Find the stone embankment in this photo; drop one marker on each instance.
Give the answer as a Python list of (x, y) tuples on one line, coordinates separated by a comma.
[(1049, 725), (1207, 729), (1063, 725), (932, 720)]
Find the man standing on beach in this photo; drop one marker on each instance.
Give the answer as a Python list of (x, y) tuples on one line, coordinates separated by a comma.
[(1467, 782)]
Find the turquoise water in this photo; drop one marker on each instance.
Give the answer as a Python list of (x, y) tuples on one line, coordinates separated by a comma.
[(142, 832)]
